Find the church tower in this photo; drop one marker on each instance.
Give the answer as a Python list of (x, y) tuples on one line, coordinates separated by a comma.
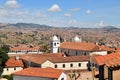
[(55, 44)]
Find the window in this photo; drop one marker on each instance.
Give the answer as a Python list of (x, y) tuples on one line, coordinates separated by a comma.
[(57, 43), (55, 65), (62, 79), (76, 53), (7, 69), (63, 65), (68, 52), (15, 68), (71, 65), (54, 44), (79, 64), (84, 53)]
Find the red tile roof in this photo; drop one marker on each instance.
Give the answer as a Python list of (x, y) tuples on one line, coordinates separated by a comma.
[(110, 60), (83, 46), (40, 72), (54, 58), (105, 48), (14, 63)]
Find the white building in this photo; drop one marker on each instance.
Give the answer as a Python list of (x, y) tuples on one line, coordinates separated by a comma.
[(58, 61), (55, 44), (40, 74), (12, 65)]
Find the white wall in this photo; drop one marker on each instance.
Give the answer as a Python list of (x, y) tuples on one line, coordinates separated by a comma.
[(47, 64), (63, 75), (9, 71), (15, 77), (99, 53), (75, 65), (67, 65)]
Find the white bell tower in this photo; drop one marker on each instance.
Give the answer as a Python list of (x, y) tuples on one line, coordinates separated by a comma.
[(55, 44)]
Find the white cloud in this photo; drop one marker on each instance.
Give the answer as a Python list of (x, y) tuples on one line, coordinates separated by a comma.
[(88, 12), (3, 12), (12, 4), (75, 9), (54, 8), (100, 24), (67, 15)]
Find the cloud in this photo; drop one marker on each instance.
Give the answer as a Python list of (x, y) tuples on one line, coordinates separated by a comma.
[(54, 8), (88, 12), (3, 12), (100, 24), (75, 9), (12, 4), (67, 15)]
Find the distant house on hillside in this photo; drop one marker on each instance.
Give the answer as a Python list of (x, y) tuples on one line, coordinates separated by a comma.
[(109, 66), (40, 74), (12, 65)]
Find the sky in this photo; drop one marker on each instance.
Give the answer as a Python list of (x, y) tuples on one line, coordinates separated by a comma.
[(62, 13)]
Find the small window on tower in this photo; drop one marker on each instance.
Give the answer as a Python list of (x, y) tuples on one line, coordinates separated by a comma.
[(57, 43), (54, 44)]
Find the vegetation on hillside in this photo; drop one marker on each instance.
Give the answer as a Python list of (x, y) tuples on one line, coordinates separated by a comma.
[(34, 34)]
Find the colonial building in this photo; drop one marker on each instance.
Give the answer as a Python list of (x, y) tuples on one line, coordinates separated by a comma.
[(40, 74), (12, 65), (58, 61), (82, 48), (77, 47), (109, 66)]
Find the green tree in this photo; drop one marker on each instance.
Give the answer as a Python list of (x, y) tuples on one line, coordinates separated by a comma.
[(3, 56)]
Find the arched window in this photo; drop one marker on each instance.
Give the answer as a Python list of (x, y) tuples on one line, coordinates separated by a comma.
[(79, 64), (62, 79), (63, 65), (71, 65), (55, 65)]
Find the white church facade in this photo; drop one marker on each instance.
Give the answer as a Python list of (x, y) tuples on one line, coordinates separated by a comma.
[(77, 47)]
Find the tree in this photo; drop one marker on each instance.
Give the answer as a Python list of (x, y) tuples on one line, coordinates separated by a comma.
[(3, 56), (74, 75)]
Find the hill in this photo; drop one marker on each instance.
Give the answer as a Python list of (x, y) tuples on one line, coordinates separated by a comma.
[(35, 34)]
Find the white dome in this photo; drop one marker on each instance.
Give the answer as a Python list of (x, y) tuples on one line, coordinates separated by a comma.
[(77, 39)]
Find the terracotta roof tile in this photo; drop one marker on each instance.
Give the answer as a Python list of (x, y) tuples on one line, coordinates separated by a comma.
[(79, 46), (14, 63), (84, 46), (55, 59), (110, 60), (40, 72)]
